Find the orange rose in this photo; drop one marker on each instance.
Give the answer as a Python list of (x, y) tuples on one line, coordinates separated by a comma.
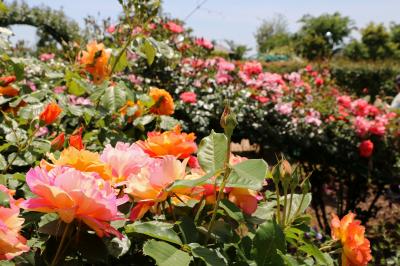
[(163, 102), (95, 61), (173, 142), (356, 248), (245, 199), (82, 160), (50, 113)]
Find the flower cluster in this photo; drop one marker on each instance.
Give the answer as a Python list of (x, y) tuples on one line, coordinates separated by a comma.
[(302, 101), (86, 186)]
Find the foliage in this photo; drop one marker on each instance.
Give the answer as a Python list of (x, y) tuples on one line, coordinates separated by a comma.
[(366, 77), (376, 39), (319, 36), (238, 51)]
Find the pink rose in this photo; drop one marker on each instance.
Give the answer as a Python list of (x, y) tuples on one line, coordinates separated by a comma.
[(188, 97)]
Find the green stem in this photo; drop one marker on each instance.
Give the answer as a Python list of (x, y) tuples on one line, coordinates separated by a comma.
[(128, 42), (284, 205), (60, 246), (290, 204), (278, 202)]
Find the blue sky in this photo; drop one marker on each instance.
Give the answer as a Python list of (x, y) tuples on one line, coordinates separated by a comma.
[(232, 19)]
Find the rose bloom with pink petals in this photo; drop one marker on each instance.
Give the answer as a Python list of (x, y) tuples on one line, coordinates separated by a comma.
[(188, 97), (148, 187), (124, 159), (12, 244), (204, 43), (73, 194), (173, 27)]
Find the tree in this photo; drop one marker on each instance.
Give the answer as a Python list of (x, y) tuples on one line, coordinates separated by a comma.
[(395, 34), (272, 33), (319, 36), (355, 50), (377, 40), (238, 51)]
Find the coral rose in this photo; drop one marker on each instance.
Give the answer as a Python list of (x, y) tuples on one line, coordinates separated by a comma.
[(163, 102), (12, 244), (95, 61), (74, 195), (356, 248), (366, 148), (148, 187), (50, 113), (173, 142)]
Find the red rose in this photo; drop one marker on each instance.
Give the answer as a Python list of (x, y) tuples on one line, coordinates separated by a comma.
[(366, 148)]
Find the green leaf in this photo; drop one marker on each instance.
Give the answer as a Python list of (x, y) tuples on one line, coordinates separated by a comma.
[(3, 162), (165, 254), (41, 145), (148, 49), (143, 120), (114, 98), (122, 62), (296, 204), (4, 199), (19, 70), (159, 230), (232, 210), (168, 122), (288, 259), (321, 258), (209, 256), (190, 182), (212, 152), (268, 239), (75, 84), (266, 210), (248, 174), (31, 111), (188, 230)]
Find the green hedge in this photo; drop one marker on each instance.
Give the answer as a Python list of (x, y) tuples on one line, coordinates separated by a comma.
[(377, 77)]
